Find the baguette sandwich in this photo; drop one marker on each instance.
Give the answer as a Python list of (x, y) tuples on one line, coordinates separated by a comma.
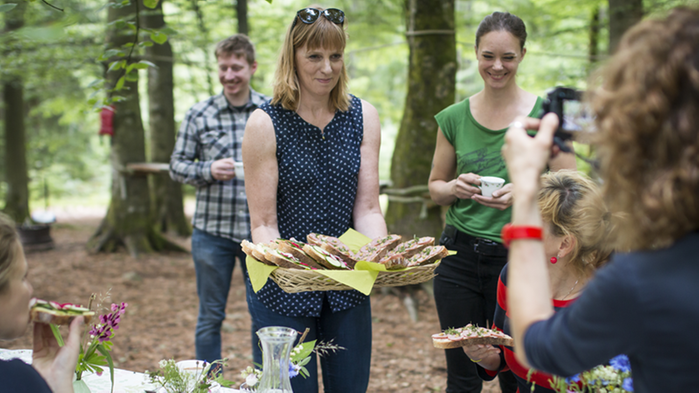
[(295, 248), (43, 311), (334, 246), (285, 260), (325, 258), (429, 254), (256, 251), (398, 257), (377, 248)]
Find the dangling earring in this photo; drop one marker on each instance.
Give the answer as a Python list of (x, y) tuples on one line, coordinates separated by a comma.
[(554, 260)]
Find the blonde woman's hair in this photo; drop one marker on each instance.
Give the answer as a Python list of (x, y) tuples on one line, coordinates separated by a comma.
[(9, 245), (572, 204), (647, 108), (320, 34)]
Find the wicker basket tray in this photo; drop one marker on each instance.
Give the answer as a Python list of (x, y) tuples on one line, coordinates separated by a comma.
[(293, 280)]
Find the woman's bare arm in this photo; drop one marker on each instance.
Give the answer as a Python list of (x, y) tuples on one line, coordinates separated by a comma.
[(444, 187), (261, 176), (367, 215)]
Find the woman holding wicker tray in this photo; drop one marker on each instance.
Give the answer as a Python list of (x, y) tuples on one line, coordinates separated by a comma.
[(311, 166)]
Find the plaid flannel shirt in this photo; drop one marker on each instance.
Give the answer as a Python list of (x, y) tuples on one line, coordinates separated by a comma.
[(210, 131)]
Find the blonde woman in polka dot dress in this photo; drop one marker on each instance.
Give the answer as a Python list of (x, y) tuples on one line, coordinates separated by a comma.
[(311, 165)]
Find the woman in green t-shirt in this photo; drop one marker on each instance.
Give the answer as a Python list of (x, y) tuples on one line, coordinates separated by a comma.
[(469, 140)]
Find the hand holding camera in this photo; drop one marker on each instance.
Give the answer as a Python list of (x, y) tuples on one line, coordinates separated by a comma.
[(574, 118)]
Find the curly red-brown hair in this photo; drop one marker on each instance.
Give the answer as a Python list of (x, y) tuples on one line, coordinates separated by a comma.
[(648, 116)]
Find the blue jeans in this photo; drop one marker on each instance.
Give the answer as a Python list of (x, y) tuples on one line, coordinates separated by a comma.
[(214, 259), (465, 291), (346, 370)]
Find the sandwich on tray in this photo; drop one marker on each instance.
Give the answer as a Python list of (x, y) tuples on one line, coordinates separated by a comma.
[(328, 252)]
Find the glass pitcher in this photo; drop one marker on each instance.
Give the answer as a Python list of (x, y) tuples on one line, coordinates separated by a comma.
[(277, 342)]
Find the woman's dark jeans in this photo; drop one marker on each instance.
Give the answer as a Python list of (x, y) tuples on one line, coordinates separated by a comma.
[(465, 291)]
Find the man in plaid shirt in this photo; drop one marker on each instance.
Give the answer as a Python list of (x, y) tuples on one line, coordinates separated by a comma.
[(208, 146)]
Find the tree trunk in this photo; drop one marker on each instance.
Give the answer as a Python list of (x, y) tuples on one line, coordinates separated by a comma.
[(622, 15), (17, 198), (241, 12), (205, 34), (167, 206), (431, 78), (128, 221), (595, 27)]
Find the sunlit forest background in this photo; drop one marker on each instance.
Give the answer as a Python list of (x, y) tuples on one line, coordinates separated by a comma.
[(55, 54)]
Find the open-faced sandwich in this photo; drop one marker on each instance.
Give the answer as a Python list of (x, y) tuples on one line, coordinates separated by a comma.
[(43, 311), (470, 335)]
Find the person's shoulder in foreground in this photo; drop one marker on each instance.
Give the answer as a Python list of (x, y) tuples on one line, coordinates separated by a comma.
[(643, 304), (19, 377)]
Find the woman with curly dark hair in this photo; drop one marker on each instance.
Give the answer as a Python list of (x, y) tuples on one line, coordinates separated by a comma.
[(643, 303)]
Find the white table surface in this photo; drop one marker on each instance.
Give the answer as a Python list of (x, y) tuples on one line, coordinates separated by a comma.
[(124, 381)]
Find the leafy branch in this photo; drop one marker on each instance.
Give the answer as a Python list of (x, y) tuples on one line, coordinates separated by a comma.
[(125, 62)]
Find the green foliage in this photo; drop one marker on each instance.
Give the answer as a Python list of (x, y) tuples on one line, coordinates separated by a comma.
[(150, 3), (61, 59), (174, 379), (7, 7)]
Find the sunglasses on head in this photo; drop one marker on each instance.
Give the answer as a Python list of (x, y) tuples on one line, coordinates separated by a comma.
[(310, 15)]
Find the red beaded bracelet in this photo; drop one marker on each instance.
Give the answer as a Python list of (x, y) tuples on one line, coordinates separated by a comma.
[(510, 233)]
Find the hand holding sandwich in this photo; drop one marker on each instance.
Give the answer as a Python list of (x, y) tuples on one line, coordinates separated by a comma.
[(57, 364)]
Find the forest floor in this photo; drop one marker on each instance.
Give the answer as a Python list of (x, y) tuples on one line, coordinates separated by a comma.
[(160, 319)]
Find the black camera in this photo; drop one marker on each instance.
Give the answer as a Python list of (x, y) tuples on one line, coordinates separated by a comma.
[(573, 115)]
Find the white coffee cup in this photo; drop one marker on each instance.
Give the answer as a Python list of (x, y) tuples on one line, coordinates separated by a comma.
[(239, 173), (490, 184)]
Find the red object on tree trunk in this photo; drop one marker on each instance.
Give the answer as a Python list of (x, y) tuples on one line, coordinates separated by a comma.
[(107, 121)]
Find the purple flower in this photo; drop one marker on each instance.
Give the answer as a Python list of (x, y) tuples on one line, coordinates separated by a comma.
[(621, 363), (108, 323), (627, 385)]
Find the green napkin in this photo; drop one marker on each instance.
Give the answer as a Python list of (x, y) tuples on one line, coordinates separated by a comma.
[(258, 272), (361, 280), (354, 240)]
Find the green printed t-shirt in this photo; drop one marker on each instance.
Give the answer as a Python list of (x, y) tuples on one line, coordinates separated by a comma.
[(477, 151)]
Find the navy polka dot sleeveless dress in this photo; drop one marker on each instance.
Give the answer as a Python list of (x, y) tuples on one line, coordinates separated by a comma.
[(318, 176)]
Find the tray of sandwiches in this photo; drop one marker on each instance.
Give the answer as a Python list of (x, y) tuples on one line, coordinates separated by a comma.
[(325, 263)]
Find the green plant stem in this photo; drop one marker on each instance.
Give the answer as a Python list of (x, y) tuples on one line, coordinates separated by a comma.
[(57, 334)]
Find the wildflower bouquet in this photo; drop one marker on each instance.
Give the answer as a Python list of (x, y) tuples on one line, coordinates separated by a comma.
[(174, 378), (612, 378)]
